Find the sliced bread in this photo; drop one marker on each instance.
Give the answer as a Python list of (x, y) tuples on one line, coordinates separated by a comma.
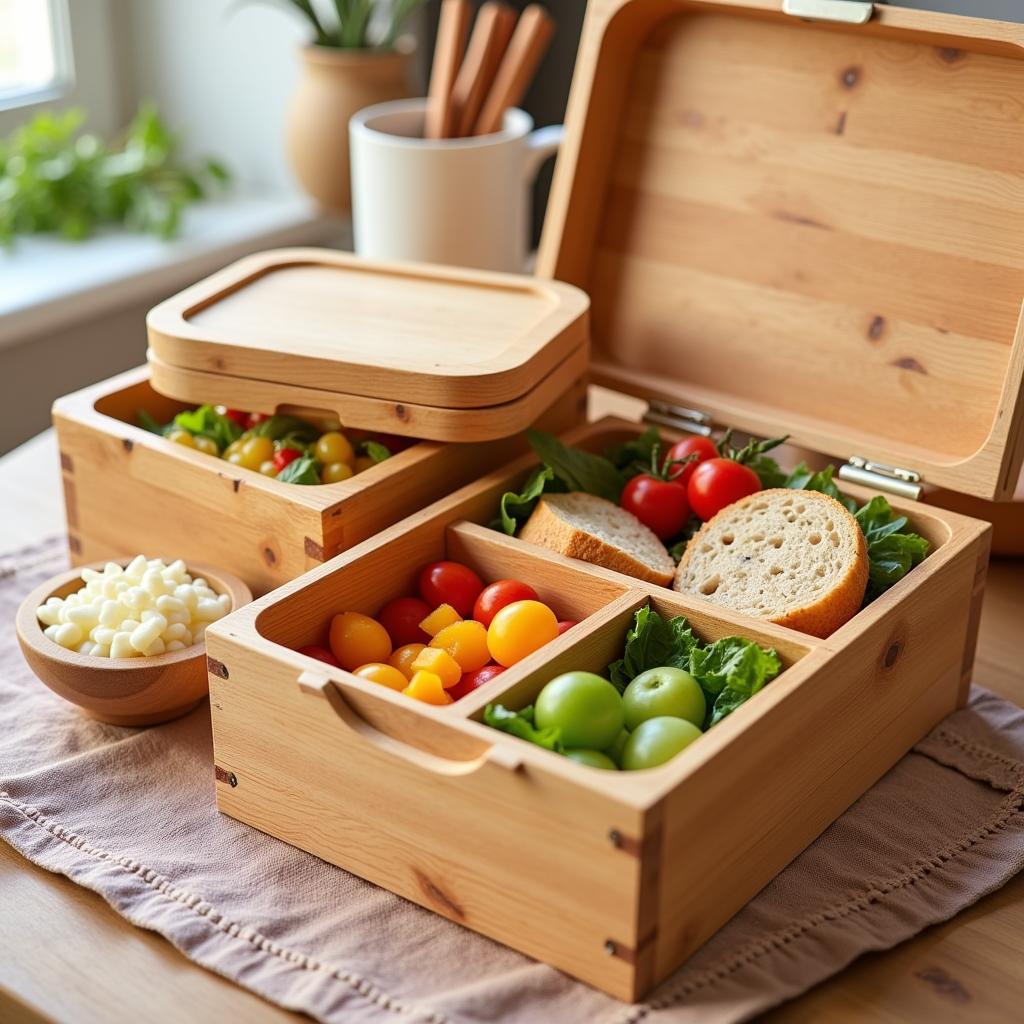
[(584, 526), (795, 558)]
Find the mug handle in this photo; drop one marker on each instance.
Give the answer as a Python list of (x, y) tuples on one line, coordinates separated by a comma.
[(541, 144)]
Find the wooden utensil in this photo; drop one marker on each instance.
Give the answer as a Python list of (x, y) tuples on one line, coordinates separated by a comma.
[(494, 26), (529, 42), (451, 38), (121, 691)]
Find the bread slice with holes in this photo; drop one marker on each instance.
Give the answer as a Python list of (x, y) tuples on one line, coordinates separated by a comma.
[(795, 558), (584, 526)]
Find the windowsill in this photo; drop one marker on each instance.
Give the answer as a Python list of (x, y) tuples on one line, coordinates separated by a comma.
[(46, 282)]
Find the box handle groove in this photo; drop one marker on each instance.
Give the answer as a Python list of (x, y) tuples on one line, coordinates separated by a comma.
[(320, 685)]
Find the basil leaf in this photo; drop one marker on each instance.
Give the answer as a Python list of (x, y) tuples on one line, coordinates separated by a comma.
[(515, 507), (276, 427), (577, 469), (303, 470), (891, 552), (768, 471), (650, 643), (148, 423), (805, 479), (207, 422), (678, 546), (638, 449), (520, 723), (375, 450)]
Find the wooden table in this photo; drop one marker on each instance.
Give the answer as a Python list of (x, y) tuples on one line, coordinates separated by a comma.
[(66, 956)]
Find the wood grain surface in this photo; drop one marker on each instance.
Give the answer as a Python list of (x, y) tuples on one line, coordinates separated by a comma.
[(968, 966)]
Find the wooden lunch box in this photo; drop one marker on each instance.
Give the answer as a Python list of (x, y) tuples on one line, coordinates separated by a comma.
[(785, 224), (316, 332)]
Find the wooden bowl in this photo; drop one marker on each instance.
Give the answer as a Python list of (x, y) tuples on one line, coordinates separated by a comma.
[(121, 691)]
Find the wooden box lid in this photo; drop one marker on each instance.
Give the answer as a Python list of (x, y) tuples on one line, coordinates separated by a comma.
[(805, 226), (433, 352)]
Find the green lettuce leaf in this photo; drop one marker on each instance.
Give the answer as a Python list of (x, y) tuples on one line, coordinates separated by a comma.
[(515, 506), (652, 642), (303, 470), (730, 671), (148, 423), (805, 479), (375, 450), (520, 723), (276, 427), (891, 552), (577, 469), (768, 471), (636, 450)]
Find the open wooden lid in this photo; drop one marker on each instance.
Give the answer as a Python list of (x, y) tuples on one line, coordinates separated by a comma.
[(433, 352), (805, 226)]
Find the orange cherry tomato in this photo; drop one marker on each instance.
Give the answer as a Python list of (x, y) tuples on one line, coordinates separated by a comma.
[(519, 629), (357, 639), (403, 658), (386, 675)]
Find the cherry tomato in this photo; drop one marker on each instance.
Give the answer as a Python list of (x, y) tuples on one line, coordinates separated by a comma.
[(717, 483), (283, 456), (519, 629), (207, 445), (494, 597), (334, 447), (267, 468), (182, 437), (402, 618), (566, 624), (660, 505), (386, 675), (320, 653), (256, 451), (239, 417), (450, 583), (357, 639), (335, 472), (703, 447), (471, 681), (255, 418), (403, 658), (466, 642)]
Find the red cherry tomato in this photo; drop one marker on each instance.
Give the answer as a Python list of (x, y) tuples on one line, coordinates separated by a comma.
[(283, 456), (703, 447), (450, 583), (402, 618), (566, 624), (321, 654), (255, 418), (471, 681), (239, 417), (717, 483), (494, 597), (661, 505)]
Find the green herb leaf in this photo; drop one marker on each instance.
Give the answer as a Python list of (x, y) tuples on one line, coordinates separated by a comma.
[(768, 471), (148, 423), (891, 552), (730, 671), (579, 470), (636, 450), (276, 427), (652, 642), (207, 422), (375, 450), (515, 507), (805, 479), (678, 546), (520, 723), (303, 470)]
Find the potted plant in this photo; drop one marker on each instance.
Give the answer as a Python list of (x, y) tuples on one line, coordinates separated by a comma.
[(356, 57)]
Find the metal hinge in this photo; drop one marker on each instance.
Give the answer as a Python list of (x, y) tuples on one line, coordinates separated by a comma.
[(847, 12), (678, 417), (907, 483)]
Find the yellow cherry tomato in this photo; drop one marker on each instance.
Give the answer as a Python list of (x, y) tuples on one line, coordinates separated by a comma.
[(364, 462), (235, 458), (334, 447), (268, 468), (182, 437), (466, 642), (426, 686), (519, 629), (357, 639), (441, 663), (335, 472), (235, 446), (207, 445), (403, 658), (256, 451), (386, 675)]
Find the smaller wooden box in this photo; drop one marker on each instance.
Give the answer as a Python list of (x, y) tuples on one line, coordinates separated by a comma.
[(127, 490)]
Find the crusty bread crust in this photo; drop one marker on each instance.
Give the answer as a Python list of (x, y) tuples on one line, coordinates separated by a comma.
[(818, 614), (547, 529)]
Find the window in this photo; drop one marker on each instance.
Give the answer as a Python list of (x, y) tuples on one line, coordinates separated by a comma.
[(35, 51)]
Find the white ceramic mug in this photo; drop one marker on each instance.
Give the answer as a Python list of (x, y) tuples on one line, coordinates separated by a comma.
[(460, 201)]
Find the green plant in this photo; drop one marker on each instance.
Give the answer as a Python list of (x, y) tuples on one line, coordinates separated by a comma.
[(55, 179), (356, 24)]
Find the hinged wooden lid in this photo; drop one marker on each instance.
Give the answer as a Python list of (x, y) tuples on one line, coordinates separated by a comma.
[(432, 352), (803, 226)]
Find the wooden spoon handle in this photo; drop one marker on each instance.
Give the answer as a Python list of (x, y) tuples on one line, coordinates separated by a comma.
[(529, 41), (451, 37), (491, 34)]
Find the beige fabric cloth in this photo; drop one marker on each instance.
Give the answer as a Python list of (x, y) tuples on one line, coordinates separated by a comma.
[(130, 814)]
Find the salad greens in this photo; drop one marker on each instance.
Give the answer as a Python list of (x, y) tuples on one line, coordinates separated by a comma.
[(520, 723), (893, 550), (729, 671), (303, 470), (205, 421)]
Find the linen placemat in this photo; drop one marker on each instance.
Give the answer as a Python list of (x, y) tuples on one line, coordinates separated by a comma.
[(130, 814)]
